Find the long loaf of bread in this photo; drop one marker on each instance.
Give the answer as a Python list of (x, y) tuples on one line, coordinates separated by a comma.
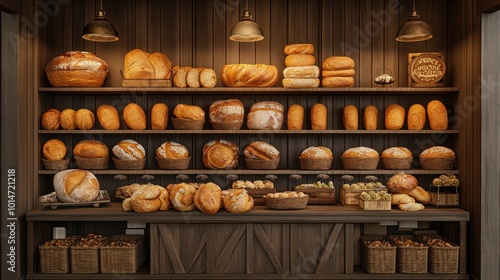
[(249, 75)]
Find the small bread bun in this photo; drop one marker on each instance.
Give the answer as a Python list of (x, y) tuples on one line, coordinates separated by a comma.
[(90, 149), (295, 117), (221, 154), (360, 152), (261, 150), (438, 115), (54, 149), (319, 117), (351, 117), (68, 119), (397, 152), (410, 207), (129, 149), (370, 117), (237, 201), (134, 117), (159, 116), (300, 82), (172, 150), (394, 117), (338, 63), (317, 152), (108, 117), (331, 82), (51, 119), (189, 112), (226, 111), (402, 183), (416, 117), (208, 198), (299, 49), (299, 60)]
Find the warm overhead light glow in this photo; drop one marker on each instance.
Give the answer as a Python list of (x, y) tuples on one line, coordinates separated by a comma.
[(414, 30), (100, 30), (246, 30)]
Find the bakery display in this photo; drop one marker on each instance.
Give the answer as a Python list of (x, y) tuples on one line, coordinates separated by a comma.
[(221, 154), (67, 119), (159, 116), (139, 65), (84, 119), (266, 115), (249, 75), (337, 71), (91, 154), (370, 117), (108, 117), (261, 155), (172, 155), (396, 158), (319, 117), (208, 198), (416, 117), (438, 115), (77, 69), (394, 117), (437, 158), (51, 119), (350, 117), (226, 114), (237, 201), (316, 158), (295, 117), (134, 116), (360, 158), (75, 185)]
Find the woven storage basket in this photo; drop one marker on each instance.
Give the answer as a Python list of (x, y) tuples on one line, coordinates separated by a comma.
[(173, 163), (122, 259), (410, 259), (56, 164), (262, 164), (55, 259), (315, 163), (129, 164), (92, 163), (380, 259), (397, 163), (437, 163), (227, 125), (360, 163), (441, 259), (288, 203), (183, 124), (84, 259)]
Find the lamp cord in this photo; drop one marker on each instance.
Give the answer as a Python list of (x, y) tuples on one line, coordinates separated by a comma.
[(413, 4), (246, 5), (101, 4)]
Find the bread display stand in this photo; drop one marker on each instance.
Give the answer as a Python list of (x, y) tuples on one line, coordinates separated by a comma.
[(145, 82), (103, 198)]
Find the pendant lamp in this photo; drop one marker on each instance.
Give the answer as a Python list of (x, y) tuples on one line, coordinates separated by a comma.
[(246, 30), (100, 30), (414, 30)]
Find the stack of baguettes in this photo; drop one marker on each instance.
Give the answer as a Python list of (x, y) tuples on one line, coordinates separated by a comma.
[(301, 71), (338, 71)]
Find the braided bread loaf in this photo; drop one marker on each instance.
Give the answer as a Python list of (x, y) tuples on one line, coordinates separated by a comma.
[(249, 75)]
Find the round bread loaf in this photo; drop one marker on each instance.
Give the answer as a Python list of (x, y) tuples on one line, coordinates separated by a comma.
[(397, 152), (319, 117), (402, 183), (338, 73), (293, 60), (261, 150), (437, 152), (330, 82), (295, 117), (90, 149), (301, 72), (299, 49), (220, 154), (189, 112), (182, 197), (85, 119), (370, 117), (172, 150), (394, 117), (266, 115), (51, 119), (317, 152), (75, 185), (360, 152), (134, 117), (208, 78), (351, 117), (226, 111), (108, 117), (237, 201), (159, 116), (129, 149), (249, 75), (438, 115), (208, 198), (300, 82), (54, 149), (416, 117), (68, 119), (338, 63)]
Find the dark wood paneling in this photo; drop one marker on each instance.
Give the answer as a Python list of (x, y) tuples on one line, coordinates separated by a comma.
[(487, 6), (11, 6)]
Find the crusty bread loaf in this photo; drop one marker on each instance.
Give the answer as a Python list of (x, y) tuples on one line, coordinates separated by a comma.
[(84, 119), (249, 75), (147, 199), (161, 65), (159, 116), (208, 78), (300, 82), (317, 152), (301, 72), (319, 117), (134, 116), (360, 152), (402, 183), (189, 112), (54, 149), (226, 111), (351, 117), (401, 198), (438, 115), (338, 63), (266, 115), (295, 119), (420, 195), (182, 197), (129, 149), (90, 149), (67, 119), (172, 150), (75, 185), (437, 152), (108, 117), (180, 78), (397, 152), (299, 60), (220, 154), (414, 206), (370, 117), (208, 198), (338, 73), (237, 201), (193, 77), (394, 117), (139, 64), (416, 117), (77, 69), (261, 150), (330, 82), (51, 119), (299, 49)]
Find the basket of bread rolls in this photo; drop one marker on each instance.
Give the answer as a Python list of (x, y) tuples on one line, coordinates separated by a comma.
[(399, 158), (437, 158), (188, 117), (226, 114), (316, 158), (172, 155), (288, 200), (129, 155), (54, 155), (91, 154), (360, 158), (261, 155)]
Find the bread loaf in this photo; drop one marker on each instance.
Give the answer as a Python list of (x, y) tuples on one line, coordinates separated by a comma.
[(161, 65), (208, 78), (438, 115), (220, 154), (180, 78), (299, 49), (147, 199), (338, 73), (193, 77), (129, 149), (54, 149), (337, 82), (411, 207), (401, 198), (85, 119), (108, 117), (317, 152), (402, 183), (360, 152), (189, 112), (226, 111), (266, 115), (90, 149), (319, 117), (75, 185), (51, 119), (182, 197), (208, 198), (416, 117), (134, 117), (293, 60), (295, 117), (159, 116), (394, 117), (67, 119), (172, 150), (301, 72), (237, 201), (300, 82), (139, 65), (351, 117), (249, 75), (397, 152), (370, 117), (338, 63), (77, 69), (437, 152), (261, 150), (420, 195)]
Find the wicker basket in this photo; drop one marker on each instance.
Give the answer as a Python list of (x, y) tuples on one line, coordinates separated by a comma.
[(173, 163), (55, 259), (411, 259), (227, 125), (56, 164), (92, 163), (122, 259), (262, 164), (397, 163), (286, 203), (441, 259), (360, 163), (84, 259), (129, 164), (380, 259), (315, 163), (437, 163), (184, 124)]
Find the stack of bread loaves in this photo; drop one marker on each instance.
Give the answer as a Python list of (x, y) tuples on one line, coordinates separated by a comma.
[(338, 71), (195, 77), (406, 193), (300, 71)]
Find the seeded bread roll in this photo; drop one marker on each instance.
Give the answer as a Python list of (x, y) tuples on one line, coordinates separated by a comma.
[(208, 78), (134, 117), (180, 78), (226, 111), (299, 49), (299, 60), (261, 150), (416, 117), (108, 117), (68, 119), (172, 150), (317, 152), (75, 185), (220, 154), (51, 119), (189, 112), (90, 149), (402, 183), (370, 117), (319, 117), (438, 115), (295, 117), (394, 117), (159, 116), (351, 117), (54, 149), (129, 149)]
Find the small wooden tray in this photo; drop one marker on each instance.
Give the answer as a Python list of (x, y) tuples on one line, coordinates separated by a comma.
[(103, 198), (379, 205), (146, 82)]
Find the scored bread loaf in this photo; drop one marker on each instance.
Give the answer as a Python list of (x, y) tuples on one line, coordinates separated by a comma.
[(299, 49), (90, 149), (330, 82), (189, 112), (51, 119), (338, 63), (108, 117), (261, 150), (295, 116), (180, 78), (300, 82), (226, 111), (237, 201), (438, 115), (75, 185), (84, 119), (266, 115), (220, 154), (319, 117), (370, 117), (67, 119), (301, 72), (208, 198), (172, 150), (317, 152), (416, 117), (134, 116), (293, 60), (182, 197), (54, 149), (129, 149), (351, 117), (159, 116), (249, 75), (394, 117)]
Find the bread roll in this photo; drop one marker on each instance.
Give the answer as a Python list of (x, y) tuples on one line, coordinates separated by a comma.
[(401, 198), (180, 78), (137, 65), (90, 149), (261, 150), (108, 117), (51, 119), (351, 117), (438, 115), (338, 63), (397, 152), (420, 195), (172, 150), (317, 152), (299, 49), (75, 185), (54, 149), (337, 82), (266, 115), (220, 154), (237, 201), (159, 116), (394, 117), (411, 207), (189, 112), (299, 60), (370, 117), (208, 78), (416, 117), (182, 197), (208, 198), (300, 82), (193, 77), (338, 73), (67, 119), (295, 117), (146, 199), (226, 111), (319, 117), (360, 152), (85, 119), (402, 183), (134, 117), (77, 69), (129, 149), (301, 72), (161, 65), (249, 75), (437, 152)]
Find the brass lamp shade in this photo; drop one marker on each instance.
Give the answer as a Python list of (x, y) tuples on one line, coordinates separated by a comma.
[(414, 30), (246, 30), (100, 30)]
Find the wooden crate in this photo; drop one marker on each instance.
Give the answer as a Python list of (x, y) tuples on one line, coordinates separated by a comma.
[(379, 205), (318, 196), (350, 197)]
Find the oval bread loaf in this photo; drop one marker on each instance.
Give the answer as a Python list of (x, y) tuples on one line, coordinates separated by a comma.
[(68, 119), (54, 149), (129, 149), (85, 119), (266, 115), (261, 150), (159, 116), (208, 198), (295, 115), (226, 111), (351, 117), (249, 75), (172, 150), (189, 112), (108, 117), (51, 119), (90, 149), (416, 117), (317, 152), (370, 117), (134, 117), (220, 154), (319, 117), (438, 115), (394, 117)]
